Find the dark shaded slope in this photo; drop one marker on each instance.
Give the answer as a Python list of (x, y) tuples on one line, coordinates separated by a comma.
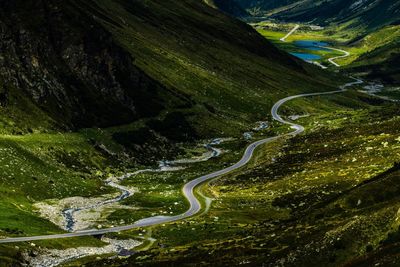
[(260, 7), (368, 15), (355, 18), (229, 7), (71, 67), (103, 63), (381, 63)]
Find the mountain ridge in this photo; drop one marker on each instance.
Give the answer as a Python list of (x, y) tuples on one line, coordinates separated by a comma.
[(83, 70)]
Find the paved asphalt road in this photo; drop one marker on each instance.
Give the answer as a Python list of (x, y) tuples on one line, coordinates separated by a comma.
[(188, 189), (290, 33), (332, 60)]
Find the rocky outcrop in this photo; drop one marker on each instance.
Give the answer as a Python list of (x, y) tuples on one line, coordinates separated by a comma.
[(71, 67)]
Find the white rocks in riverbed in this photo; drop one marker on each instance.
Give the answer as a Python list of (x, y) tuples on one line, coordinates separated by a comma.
[(79, 213), (52, 210), (55, 257)]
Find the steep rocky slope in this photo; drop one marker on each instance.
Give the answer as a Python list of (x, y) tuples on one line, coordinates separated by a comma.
[(105, 63), (71, 67)]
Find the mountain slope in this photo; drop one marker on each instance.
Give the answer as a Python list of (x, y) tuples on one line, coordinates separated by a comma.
[(381, 59), (104, 63), (71, 67), (173, 72), (261, 7), (229, 7), (367, 27), (365, 14)]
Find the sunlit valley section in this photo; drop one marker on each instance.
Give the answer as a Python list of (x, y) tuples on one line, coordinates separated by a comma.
[(199, 133)]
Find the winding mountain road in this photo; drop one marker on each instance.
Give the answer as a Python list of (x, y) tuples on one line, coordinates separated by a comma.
[(188, 189), (125, 192), (290, 33), (332, 59)]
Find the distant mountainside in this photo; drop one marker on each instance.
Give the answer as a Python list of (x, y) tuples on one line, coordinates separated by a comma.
[(367, 14), (245, 8), (382, 62), (357, 20), (100, 63), (369, 20), (262, 7), (229, 7)]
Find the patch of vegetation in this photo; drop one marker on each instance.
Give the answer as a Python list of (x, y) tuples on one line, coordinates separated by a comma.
[(336, 198), (262, 212), (373, 55)]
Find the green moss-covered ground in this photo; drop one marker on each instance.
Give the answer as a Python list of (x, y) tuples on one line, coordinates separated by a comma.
[(326, 197), (373, 54), (301, 201)]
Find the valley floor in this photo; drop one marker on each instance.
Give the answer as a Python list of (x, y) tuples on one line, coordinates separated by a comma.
[(259, 212), (335, 199), (362, 52), (327, 197)]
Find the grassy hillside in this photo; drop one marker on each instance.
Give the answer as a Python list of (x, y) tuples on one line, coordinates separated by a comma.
[(373, 55), (107, 63), (229, 7), (263, 7), (381, 64), (335, 199), (380, 57), (367, 29), (199, 64), (91, 89), (366, 16)]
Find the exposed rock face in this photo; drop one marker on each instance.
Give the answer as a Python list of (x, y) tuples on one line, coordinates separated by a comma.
[(71, 67)]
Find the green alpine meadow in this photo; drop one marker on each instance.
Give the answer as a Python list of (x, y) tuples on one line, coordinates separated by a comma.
[(199, 133)]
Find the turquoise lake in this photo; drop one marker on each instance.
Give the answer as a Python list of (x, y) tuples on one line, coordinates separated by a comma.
[(306, 57), (312, 46)]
